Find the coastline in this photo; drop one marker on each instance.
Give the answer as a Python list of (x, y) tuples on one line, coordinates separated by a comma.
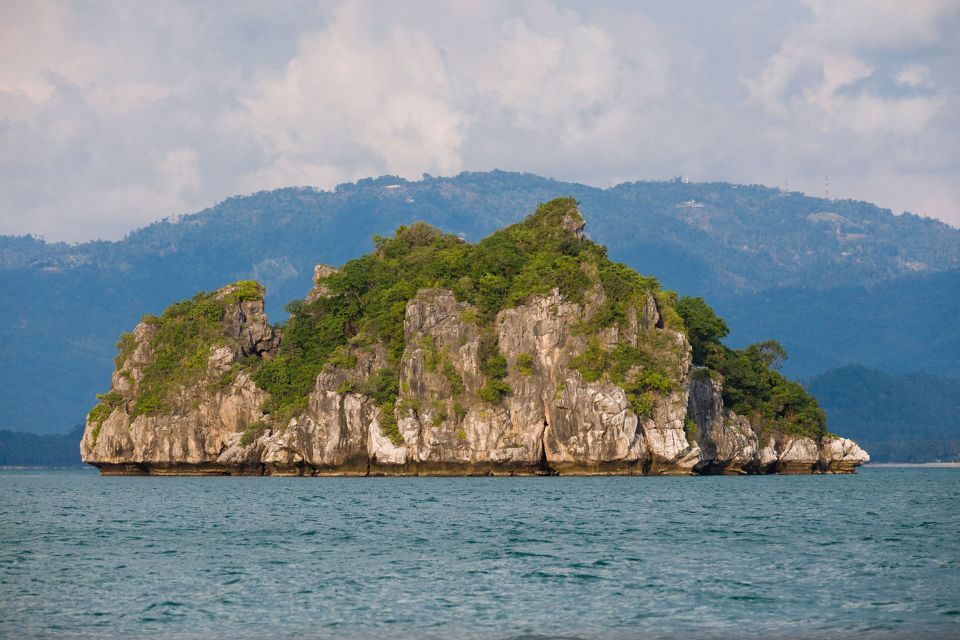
[(907, 465), (40, 467)]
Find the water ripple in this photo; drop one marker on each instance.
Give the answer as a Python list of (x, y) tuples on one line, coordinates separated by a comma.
[(876, 555)]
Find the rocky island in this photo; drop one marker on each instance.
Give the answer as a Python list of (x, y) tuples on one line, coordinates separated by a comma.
[(529, 353)]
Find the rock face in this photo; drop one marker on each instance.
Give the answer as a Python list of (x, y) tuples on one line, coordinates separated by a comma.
[(319, 290), (545, 386), (208, 416), (727, 442), (840, 455), (553, 421), (729, 445)]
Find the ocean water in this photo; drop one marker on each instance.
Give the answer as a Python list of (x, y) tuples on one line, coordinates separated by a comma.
[(868, 556)]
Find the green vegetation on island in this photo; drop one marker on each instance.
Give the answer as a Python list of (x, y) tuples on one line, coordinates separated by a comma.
[(181, 339), (366, 301), (368, 298), (752, 386)]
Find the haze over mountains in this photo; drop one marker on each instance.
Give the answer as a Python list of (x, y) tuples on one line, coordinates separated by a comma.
[(837, 282)]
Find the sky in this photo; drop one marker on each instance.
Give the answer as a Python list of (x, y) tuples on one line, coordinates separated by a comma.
[(113, 115)]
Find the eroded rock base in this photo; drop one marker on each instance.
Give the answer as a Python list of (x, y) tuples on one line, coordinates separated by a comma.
[(455, 470)]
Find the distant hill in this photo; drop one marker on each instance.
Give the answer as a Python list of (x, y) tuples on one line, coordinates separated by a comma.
[(910, 323), (904, 418), (19, 449), (826, 276)]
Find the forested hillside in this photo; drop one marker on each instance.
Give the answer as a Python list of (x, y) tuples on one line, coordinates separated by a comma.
[(905, 418), (19, 449)]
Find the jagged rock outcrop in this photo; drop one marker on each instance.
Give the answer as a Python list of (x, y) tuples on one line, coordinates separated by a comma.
[(245, 325), (206, 416), (729, 444), (512, 392), (840, 455), (727, 441), (552, 422), (333, 435), (319, 290)]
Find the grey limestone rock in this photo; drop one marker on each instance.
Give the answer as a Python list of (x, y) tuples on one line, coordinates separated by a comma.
[(551, 421)]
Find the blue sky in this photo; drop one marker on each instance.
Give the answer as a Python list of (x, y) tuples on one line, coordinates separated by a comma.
[(116, 114)]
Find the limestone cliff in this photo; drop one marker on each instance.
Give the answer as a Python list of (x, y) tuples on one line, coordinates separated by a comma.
[(729, 444), (594, 377)]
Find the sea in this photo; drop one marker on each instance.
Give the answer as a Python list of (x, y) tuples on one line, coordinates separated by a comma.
[(872, 555)]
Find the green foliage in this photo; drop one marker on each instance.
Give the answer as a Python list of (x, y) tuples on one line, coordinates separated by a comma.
[(493, 391), (592, 362), (251, 433), (310, 337), (97, 416), (545, 270), (439, 414), (654, 381), (525, 364), (769, 352), (388, 422), (342, 358), (637, 370), (494, 368), (368, 297), (691, 430), (108, 403), (244, 290), (773, 403), (751, 384), (431, 357), (470, 314), (667, 305), (641, 403), (461, 435), (453, 377), (704, 327), (125, 347), (183, 337), (407, 404), (112, 399), (623, 288), (492, 289), (383, 388)]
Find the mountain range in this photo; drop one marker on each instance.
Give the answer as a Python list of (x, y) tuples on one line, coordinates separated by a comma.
[(839, 282)]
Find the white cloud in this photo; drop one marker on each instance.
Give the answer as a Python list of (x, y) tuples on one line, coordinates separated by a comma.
[(354, 94), (815, 77), (115, 115), (407, 97), (914, 75), (879, 24)]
